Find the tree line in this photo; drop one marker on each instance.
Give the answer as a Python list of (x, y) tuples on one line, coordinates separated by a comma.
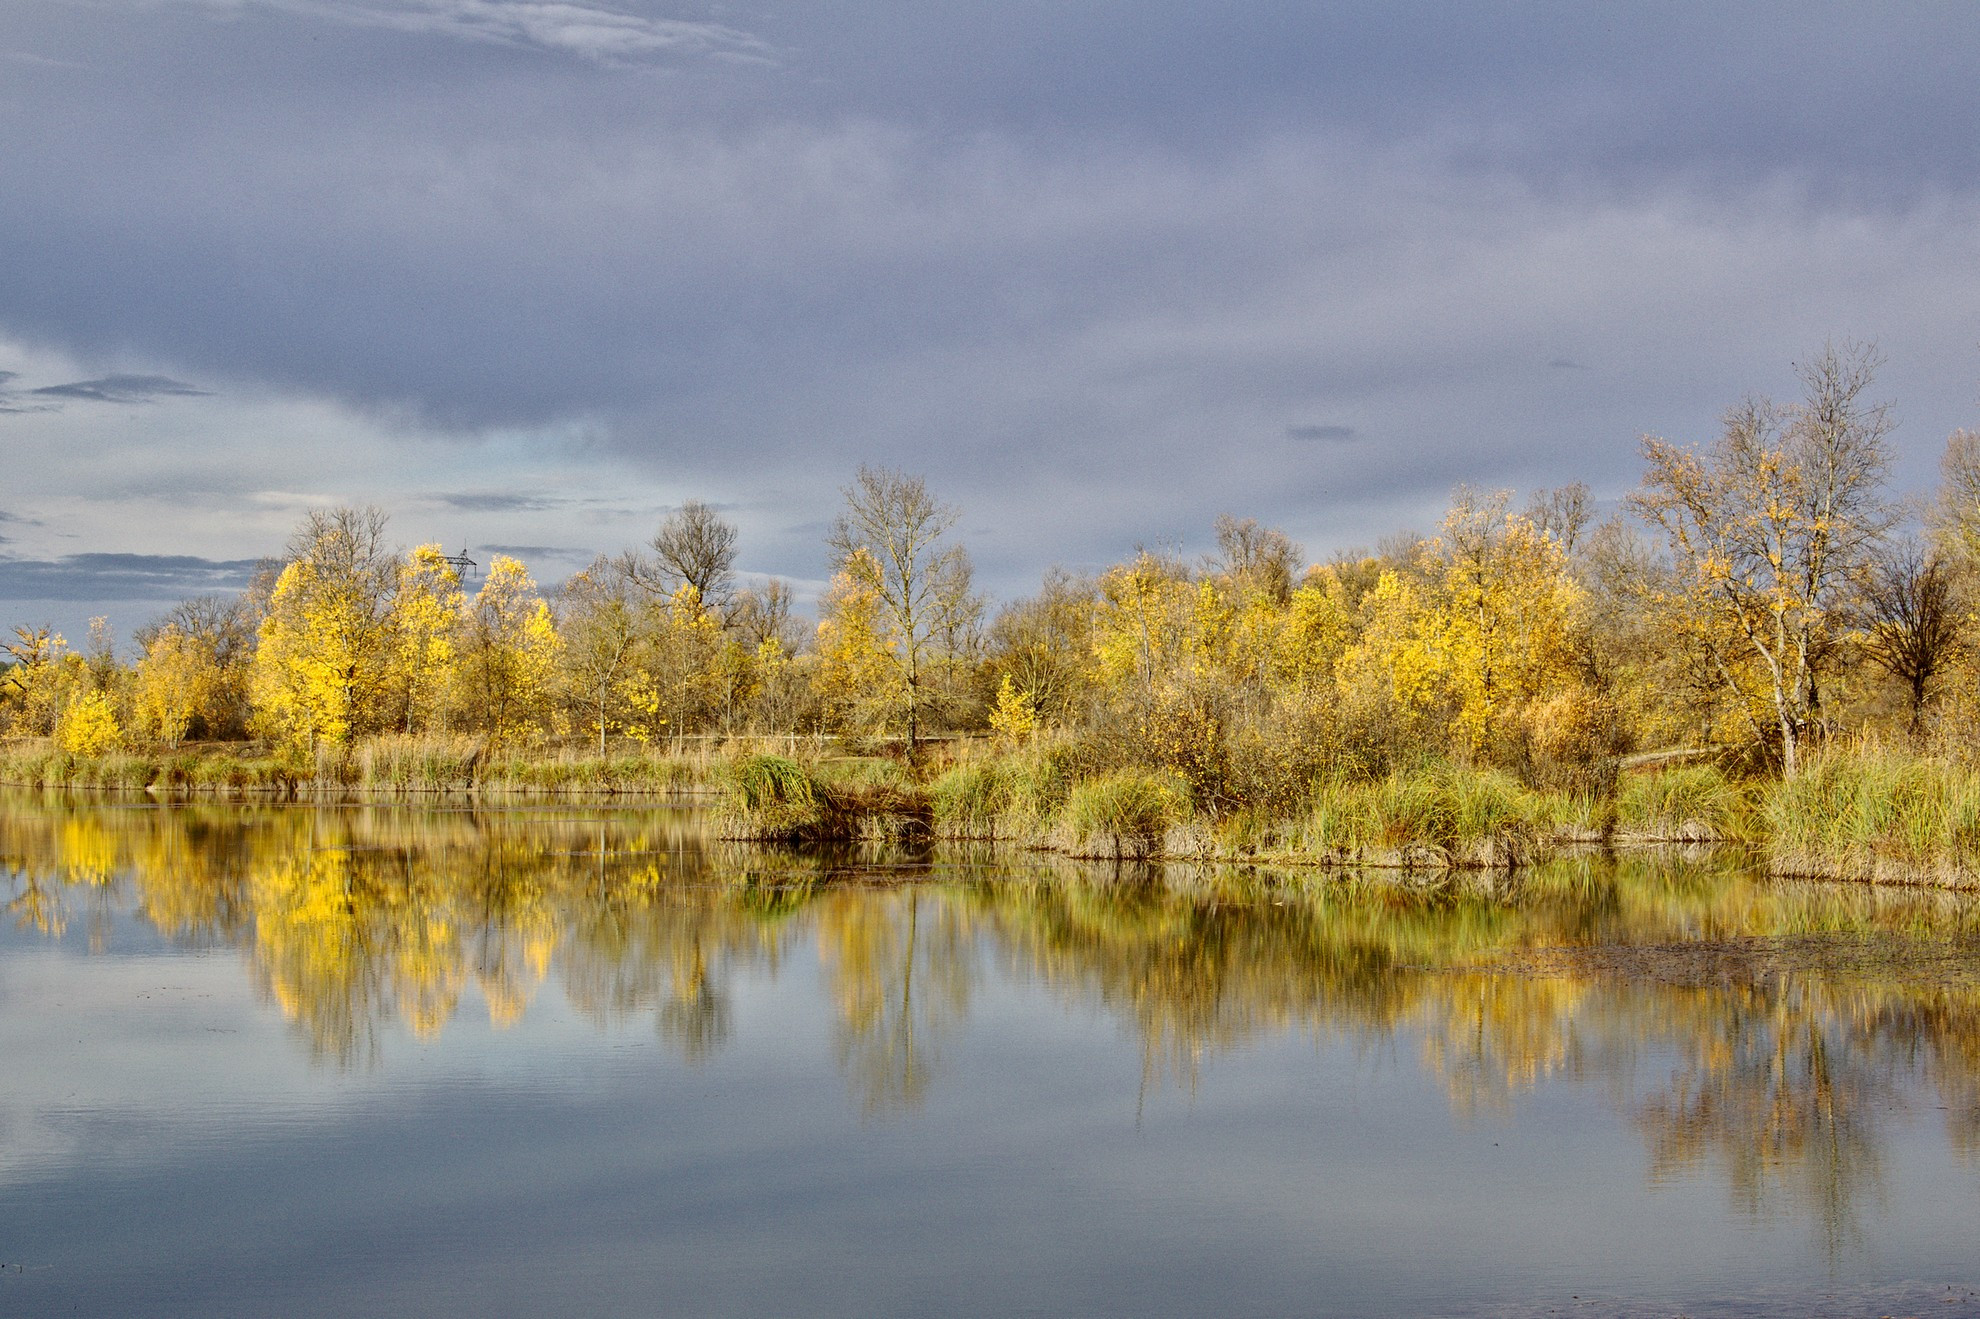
[(1754, 597)]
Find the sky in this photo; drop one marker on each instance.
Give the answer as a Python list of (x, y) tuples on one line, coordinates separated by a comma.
[(527, 274)]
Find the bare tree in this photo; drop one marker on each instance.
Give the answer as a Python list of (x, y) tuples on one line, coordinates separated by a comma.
[(1956, 518), (345, 543), (763, 613), (923, 586), (1043, 644), (696, 547), (1910, 622), (1256, 557), (1562, 513)]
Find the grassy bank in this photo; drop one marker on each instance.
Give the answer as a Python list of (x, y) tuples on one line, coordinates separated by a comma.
[(1852, 814), (1439, 817), (1859, 812), (1878, 815), (385, 768)]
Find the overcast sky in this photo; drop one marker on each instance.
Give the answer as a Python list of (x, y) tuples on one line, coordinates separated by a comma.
[(526, 273)]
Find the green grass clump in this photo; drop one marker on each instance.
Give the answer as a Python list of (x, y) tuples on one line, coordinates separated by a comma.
[(973, 801), (1123, 814), (1876, 815), (1690, 803), (1439, 815), (772, 798)]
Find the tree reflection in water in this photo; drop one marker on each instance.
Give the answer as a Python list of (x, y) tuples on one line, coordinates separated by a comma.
[(1779, 1077)]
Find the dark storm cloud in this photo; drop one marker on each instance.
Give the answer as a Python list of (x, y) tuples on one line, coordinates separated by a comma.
[(120, 577), (491, 243), (1332, 434), (1033, 250), (121, 389)]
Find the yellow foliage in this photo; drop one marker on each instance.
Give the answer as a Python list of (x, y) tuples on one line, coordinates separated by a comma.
[(508, 656), (1144, 621), (1014, 716), (856, 677), (178, 680), (37, 684), (88, 726), (426, 622), (1314, 632), (1496, 624), (321, 659)]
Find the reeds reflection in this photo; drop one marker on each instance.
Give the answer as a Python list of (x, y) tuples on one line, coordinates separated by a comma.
[(1766, 1033)]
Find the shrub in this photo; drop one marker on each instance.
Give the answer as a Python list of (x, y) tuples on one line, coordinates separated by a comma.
[(88, 725), (772, 797)]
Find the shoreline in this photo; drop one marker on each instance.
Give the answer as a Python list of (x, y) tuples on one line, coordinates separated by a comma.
[(1857, 818)]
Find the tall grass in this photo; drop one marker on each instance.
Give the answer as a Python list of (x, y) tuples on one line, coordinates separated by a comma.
[(392, 767), (1853, 812), (1689, 803), (775, 799), (1872, 814), (1123, 814), (1440, 816), (974, 800)]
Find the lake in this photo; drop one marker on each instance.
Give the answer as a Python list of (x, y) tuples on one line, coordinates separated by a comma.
[(579, 1060)]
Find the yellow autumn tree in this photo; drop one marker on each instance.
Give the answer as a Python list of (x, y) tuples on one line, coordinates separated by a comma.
[(508, 655), (602, 676), (425, 622), (324, 662), (88, 726), (689, 663), (1505, 624), (178, 681), (1141, 628), (35, 684), (856, 677), (1014, 716), (1316, 629), (1480, 645)]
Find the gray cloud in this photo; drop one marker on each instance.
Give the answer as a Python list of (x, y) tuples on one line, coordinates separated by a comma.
[(591, 32), (469, 502), (42, 61), (1566, 364), (11, 399), (120, 577), (543, 561), (122, 389), (1009, 247)]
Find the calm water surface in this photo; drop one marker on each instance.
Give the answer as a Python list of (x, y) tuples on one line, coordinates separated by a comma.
[(580, 1061)]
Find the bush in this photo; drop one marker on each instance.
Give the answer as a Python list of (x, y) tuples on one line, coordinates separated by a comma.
[(772, 797)]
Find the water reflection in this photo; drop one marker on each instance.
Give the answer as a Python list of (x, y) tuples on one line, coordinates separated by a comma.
[(1769, 1055)]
